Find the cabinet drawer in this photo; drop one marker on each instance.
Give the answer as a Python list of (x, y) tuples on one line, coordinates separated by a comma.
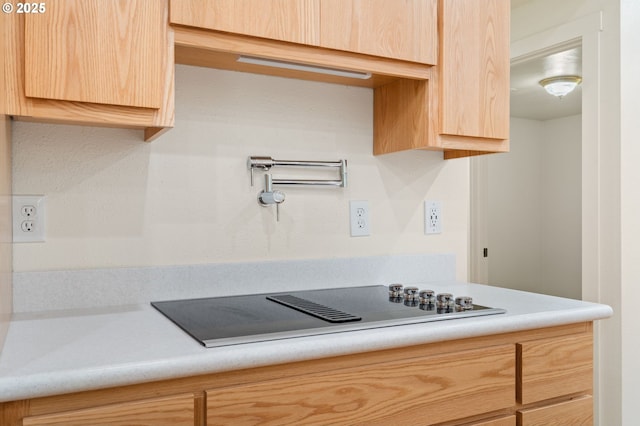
[(403, 392), (168, 411), (502, 421), (575, 412), (550, 368)]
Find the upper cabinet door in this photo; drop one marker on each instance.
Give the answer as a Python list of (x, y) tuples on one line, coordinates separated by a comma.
[(296, 21), (474, 68), (100, 51), (399, 29)]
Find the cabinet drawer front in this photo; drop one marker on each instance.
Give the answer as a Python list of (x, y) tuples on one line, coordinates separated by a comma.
[(550, 368), (403, 392), (575, 412), (502, 421), (169, 411)]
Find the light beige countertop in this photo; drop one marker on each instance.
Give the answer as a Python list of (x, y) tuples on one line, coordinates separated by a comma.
[(56, 352)]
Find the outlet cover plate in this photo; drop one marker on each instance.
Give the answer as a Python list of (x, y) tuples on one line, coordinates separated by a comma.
[(28, 218), (359, 218), (432, 217)]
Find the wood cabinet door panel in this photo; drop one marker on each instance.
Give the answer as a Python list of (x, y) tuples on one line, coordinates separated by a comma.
[(169, 411), (405, 30), (99, 51), (575, 412), (416, 391), (295, 21), (555, 367), (474, 75)]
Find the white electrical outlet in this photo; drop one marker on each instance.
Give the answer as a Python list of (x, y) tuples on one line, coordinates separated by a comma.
[(28, 218), (359, 218), (432, 217)]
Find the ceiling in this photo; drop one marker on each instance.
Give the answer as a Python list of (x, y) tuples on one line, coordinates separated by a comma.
[(528, 98)]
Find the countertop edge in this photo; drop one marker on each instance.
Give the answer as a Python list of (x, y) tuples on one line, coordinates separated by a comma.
[(253, 355)]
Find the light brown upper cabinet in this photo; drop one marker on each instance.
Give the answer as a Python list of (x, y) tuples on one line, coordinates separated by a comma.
[(344, 35), (463, 109), (474, 68), (439, 68), (296, 21), (101, 62), (405, 30), (96, 51)]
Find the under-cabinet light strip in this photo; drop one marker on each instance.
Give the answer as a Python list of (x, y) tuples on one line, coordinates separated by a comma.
[(302, 67)]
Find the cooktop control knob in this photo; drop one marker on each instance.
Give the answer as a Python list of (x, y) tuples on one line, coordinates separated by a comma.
[(428, 300), (464, 303), (445, 300), (395, 291), (410, 293), (427, 297)]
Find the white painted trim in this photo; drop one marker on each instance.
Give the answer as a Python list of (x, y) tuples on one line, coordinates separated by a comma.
[(557, 36), (478, 232)]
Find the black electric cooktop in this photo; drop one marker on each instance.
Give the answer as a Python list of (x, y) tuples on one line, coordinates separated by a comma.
[(222, 321)]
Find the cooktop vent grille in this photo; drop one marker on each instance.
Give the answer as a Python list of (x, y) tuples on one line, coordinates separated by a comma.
[(314, 309)]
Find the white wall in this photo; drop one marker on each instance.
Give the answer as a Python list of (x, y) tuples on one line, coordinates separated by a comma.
[(630, 208), (539, 15), (535, 208), (6, 281), (561, 207), (514, 195), (113, 200)]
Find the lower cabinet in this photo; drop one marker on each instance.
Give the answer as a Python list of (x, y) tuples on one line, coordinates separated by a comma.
[(554, 367), (534, 377), (169, 411), (575, 412), (501, 421), (424, 390)]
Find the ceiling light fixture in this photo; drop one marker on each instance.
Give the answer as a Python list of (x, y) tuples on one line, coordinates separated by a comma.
[(303, 67), (560, 86)]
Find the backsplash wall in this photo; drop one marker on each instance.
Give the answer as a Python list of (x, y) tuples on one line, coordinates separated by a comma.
[(115, 201)]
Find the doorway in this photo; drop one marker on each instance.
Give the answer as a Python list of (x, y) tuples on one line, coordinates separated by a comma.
[(526, 242), (533, 196)]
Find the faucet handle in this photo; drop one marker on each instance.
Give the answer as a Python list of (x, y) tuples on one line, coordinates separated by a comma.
[(269, 196), (266, 198)]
